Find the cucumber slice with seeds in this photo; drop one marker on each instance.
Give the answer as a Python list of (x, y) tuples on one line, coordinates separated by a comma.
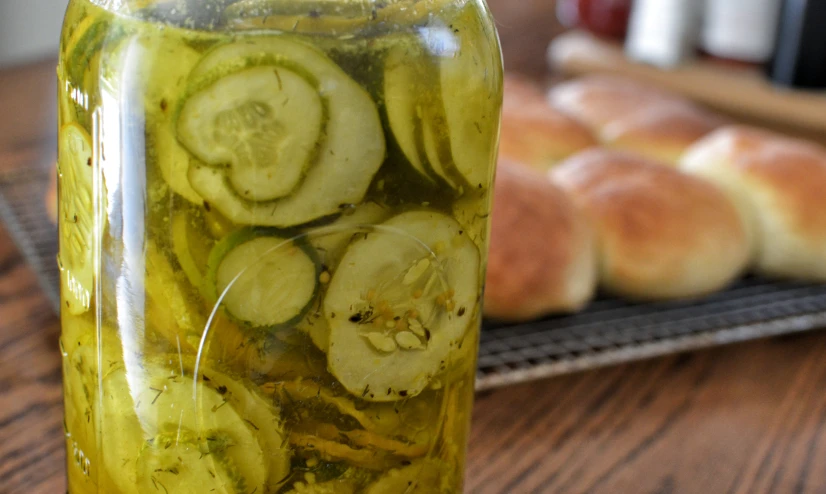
[(330, 243), (399, 303), (264, 280), (335, 154), (76, 217), (264, 123)]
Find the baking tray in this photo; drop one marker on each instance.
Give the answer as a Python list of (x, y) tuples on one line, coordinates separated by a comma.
[(610, 331)]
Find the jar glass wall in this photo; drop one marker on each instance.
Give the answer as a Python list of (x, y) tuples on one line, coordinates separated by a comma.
[(273, 234)]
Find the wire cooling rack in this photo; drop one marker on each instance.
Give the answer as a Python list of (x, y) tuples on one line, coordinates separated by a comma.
[(608, 332), (611, 331)]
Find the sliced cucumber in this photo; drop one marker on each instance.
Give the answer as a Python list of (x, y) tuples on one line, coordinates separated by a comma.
[(164, 62), (123, 440), (172, 161), (79, 385), (262, 417), (217, 225), (76, 218), (80, 379), (404, 73), (473, 212), (83, 365), (437, 148), (361, 439), (450, 135), (191, 248), (330, 243), (86, 40), (173, 462), (156, 426), (76, 70), (469, 90), (399, 303), (397, 429), (309, 445), (171, 312), (264, 280), (263, 122), (333, 160)]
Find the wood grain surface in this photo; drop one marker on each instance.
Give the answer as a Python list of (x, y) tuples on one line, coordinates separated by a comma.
[(739, 420), (746, 419)]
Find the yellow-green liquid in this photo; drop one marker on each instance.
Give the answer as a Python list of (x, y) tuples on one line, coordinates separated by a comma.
[(265, 414)]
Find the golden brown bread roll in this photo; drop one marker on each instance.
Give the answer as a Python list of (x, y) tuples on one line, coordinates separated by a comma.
[(542, 258), (636, 117), (661, 132), (521, 90), (598, 101), (780, 185), (662, 234), (533, 132)]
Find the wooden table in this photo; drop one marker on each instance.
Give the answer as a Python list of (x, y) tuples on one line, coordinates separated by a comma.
[(739, 420)]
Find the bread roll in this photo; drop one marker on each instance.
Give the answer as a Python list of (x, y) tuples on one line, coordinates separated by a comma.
[(661, 132), (662, 234), (533, 132), (542, 258), (598, 101), (636, 117), (521, 90), (780, 186)]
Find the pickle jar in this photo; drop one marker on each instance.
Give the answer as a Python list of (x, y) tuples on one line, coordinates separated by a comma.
[(273, 235)]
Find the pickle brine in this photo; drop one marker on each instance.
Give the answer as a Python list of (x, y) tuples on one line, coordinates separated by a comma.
[(273, 231)]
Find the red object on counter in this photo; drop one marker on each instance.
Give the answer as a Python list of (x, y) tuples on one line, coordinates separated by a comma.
[(602, 17)]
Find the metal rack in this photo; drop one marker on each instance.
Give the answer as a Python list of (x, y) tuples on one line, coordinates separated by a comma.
[(610, 331)]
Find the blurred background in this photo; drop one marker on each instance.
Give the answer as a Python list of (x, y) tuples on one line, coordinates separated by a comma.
[(29, 30)]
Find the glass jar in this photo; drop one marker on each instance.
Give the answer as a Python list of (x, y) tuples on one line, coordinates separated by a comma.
[(273, 235)]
